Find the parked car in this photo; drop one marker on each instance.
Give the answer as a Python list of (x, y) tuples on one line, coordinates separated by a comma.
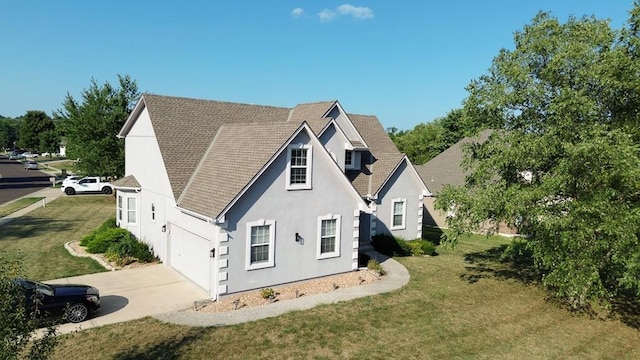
[(31, 165), (74, 302), (70, 179), (15, 156), (29, 155), (89, 184)]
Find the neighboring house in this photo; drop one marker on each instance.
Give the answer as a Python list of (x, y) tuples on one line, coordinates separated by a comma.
[(239, 197), (446, 169)]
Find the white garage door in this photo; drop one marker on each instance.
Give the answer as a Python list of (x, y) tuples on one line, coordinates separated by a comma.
[(189, 254)]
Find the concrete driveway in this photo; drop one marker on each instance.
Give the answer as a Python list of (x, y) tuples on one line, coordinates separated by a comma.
[(135, 293)]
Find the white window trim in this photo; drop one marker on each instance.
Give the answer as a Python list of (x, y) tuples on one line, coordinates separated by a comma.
[(120, 209), (353, 159), (307, 184), (404, 213), (335, 253), (272, 236), (135, 210)]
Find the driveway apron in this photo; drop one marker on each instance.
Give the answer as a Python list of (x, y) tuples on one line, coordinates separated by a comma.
[(135, 293)]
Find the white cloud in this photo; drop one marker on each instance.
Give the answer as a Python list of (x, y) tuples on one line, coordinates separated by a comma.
[(357, 12), (326, 15), (297, 12)]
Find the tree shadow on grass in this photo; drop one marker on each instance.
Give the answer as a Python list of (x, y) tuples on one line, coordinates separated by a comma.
[(500, 263), (515, 263), (166, 350), (29, 226)]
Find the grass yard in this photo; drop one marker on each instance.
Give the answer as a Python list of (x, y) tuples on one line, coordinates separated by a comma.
[(17, 205), (40, 235), (462, 304)]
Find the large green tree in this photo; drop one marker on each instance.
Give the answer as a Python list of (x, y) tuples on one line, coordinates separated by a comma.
[(37, 132), (426, 140), (8, 132), (564, 165), (90, 126)]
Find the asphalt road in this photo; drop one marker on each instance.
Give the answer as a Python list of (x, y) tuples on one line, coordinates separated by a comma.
[(16, 182)]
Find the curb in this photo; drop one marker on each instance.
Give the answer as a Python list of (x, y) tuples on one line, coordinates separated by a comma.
[(106, 265)]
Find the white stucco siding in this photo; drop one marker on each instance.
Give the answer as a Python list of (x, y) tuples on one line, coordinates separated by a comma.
[(143, 158), (403, 185), (335, 142), (292, 211)]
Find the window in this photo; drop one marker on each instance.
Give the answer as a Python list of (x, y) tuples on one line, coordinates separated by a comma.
[(398, 208), (260, 244), (153, 212), (328, 236), (348, 159), (131, 210), (120, 208), (299, 167)]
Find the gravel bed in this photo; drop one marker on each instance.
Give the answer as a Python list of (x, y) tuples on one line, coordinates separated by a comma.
[(290, 291)]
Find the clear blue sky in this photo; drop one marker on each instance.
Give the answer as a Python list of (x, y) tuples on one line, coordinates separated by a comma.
[(405, 61)]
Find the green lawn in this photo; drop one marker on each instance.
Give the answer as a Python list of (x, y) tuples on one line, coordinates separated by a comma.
[(40, 235), (462, 304), (17, 205)]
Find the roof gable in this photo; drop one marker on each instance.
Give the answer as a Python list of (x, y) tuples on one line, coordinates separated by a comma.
[(446, 168), (185, 127)]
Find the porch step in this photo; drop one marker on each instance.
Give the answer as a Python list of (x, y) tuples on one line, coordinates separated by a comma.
[(365, 246)]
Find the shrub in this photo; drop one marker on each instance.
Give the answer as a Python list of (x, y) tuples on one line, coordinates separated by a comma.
[(108, 224), (104, 240), (421, 247), (374, 265), (267, 293), (390, 246)]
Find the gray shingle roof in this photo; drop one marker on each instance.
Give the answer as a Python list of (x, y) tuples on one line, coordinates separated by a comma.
[(185, 128), (310, 111), (237, 154), (386, 155), (126, 182), (446, 168)]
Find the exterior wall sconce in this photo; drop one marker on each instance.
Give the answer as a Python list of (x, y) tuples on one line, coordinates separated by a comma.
[(164, 228), (212, 253), (299, 238)]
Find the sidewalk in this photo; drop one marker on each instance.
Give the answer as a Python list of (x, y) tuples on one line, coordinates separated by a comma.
[(49, 195)]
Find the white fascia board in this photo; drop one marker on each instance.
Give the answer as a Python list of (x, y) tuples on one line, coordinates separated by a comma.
[(133, 117), (337, 104), (404, 158)]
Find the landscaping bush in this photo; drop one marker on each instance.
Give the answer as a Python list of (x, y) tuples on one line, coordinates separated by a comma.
[(103, 240), (390, 246), (108, 224), (421, 247), (393, 246), (374, 265)]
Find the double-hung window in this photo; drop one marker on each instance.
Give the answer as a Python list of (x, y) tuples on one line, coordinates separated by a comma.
[(398, 213), (299, 167), (119, 207), (260, 244), (328, 236), (131, 210), (348, 159)]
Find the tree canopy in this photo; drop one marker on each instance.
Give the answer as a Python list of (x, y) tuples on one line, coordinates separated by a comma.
[(89, 127), (564, 163), (37, 132)]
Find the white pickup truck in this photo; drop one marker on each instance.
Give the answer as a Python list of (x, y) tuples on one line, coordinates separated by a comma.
[(89, 184)]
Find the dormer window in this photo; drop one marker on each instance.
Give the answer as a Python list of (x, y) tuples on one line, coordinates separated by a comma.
[(348, 159), (299, 167)]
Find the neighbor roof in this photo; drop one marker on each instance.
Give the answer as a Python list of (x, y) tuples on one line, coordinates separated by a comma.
[(446, 168)]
